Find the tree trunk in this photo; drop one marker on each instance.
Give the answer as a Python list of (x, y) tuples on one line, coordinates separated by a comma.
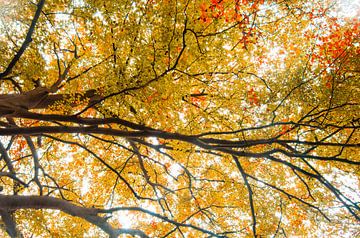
[(38, 98), (15, 202)]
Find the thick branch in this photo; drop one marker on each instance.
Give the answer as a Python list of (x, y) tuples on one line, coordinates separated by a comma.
[(38, 98), (202, 143), (9, 222), (16, 202)]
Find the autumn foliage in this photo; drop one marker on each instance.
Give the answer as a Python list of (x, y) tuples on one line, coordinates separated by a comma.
[(161, 118)]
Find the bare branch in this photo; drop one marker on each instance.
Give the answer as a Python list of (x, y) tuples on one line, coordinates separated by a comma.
[(26, 42)]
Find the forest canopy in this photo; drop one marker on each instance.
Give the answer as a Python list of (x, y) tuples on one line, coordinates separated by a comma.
[(179, 118)]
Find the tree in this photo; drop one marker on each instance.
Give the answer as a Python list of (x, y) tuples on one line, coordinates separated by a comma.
[(179, 118)]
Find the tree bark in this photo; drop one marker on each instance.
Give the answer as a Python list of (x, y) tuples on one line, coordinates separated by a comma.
[(39, 98), (15, 202)]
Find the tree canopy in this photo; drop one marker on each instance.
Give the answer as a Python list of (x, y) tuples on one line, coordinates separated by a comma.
[(179, 118)]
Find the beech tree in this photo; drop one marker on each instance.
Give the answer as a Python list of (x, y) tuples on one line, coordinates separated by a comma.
[(184, 118)]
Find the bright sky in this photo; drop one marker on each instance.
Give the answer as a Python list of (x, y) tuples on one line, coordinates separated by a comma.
[(349, 8)]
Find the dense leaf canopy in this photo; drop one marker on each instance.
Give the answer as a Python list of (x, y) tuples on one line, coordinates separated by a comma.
[(179, 118)]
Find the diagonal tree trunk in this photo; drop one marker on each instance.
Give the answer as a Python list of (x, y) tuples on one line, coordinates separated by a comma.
[(16, 202)]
